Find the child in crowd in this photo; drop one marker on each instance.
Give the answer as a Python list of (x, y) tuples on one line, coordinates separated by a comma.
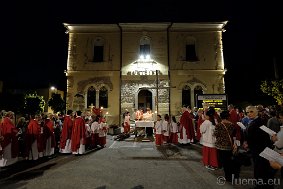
[(158, 131)]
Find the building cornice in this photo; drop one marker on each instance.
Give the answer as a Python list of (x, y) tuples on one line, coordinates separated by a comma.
[(201, 26), (158, 26), (88, 28)]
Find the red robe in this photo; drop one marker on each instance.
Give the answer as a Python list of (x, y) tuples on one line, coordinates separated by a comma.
[(33, 133), (49, 132), (9, 132), (78, 133), (187, 122), (234, 118), (66, 131), (199, 122), (96, 111)]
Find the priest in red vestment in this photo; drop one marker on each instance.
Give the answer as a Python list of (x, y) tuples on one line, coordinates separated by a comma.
[(9, 143), (78, 135), (49, 136), (33, 139), (66, 134), (187, 132), (234, 118)]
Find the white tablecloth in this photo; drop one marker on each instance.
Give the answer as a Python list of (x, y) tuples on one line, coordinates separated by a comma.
[(144, 123)]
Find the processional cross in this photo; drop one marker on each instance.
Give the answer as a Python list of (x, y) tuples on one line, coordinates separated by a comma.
[(91, 107)]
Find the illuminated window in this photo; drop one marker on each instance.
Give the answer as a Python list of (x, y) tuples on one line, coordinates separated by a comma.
[(186, 95), (144, 48), (103, 97)]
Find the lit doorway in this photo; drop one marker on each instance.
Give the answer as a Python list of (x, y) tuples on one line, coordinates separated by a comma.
[(144, 100)]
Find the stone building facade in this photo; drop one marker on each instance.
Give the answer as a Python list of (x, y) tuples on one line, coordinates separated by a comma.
[(138, 65)]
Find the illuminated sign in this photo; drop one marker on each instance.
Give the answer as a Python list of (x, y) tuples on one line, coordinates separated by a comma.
[(215, 100)]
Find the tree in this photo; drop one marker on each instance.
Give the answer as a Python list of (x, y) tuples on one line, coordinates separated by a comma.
[(56, 103), (33, 104), (273, 88)]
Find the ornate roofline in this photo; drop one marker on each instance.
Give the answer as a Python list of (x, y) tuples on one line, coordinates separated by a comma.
[(190, 26)]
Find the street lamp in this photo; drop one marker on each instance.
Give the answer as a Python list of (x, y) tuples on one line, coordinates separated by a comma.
[(51, 93), (53, 89)]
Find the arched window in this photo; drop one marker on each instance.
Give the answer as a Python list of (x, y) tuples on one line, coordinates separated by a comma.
[(186, 95), (91, 96), (197, 91), (145, 47), (103, 97)]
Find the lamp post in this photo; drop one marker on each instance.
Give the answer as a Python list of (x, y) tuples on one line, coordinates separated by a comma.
[(53, 89), (51, 94)]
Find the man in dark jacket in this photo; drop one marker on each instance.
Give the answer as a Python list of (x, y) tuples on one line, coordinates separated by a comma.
[(257, 140)]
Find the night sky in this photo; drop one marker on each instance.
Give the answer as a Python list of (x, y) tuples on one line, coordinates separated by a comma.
[(34, 43)]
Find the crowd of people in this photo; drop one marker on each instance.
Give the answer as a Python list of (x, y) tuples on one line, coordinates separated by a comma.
[(219, 133), (222, 138), (41, 135)]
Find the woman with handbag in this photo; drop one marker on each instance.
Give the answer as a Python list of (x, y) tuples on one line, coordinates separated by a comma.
[(224, 133)]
